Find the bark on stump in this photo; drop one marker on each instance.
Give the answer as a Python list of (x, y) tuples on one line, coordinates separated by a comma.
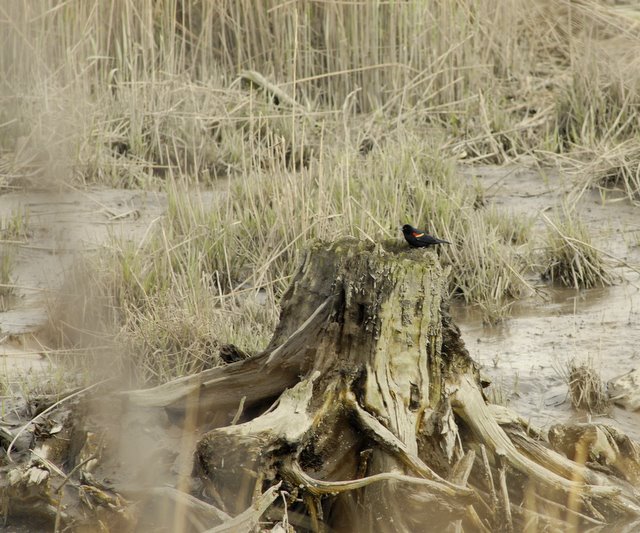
[(369, 410)]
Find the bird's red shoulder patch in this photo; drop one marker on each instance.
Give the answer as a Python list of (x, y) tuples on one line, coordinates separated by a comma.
[(416, 234)]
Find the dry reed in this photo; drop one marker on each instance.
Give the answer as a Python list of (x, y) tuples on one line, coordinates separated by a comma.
[(351, 121)]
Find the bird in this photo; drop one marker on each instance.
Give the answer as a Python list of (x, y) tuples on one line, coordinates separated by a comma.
[(418, 238)]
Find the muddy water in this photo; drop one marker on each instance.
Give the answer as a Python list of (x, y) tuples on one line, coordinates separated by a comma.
[(60, 225), (525, 357)]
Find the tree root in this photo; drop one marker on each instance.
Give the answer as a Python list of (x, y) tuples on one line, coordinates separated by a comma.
[(294, 473), (248, 519), (546, 470)]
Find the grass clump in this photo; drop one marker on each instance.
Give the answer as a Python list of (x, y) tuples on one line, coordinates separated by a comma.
[(166, 341), (512, 227), (6, 268), (487, 271), (570, 257), (15, 226), (147, 330), (587, 390), (610, 165)]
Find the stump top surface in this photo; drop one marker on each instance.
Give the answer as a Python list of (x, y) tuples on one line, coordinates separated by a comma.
[(386, 249)]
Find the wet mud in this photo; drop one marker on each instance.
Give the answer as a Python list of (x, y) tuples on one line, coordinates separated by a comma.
[(527, 356), (61, 225)]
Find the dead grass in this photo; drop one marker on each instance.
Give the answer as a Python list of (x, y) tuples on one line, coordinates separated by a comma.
[(586, 389), (153, 89), (15, 226), (128, 323), (487, 271), (304, 139), (14, 229), (609, 166), (569, 256)]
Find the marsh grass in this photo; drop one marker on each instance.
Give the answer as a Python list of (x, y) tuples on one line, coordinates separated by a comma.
[(587, 390), (569, 256), (145, 332), (6, 269), (382, 102), (609, 166), (512, 227), (15, 226), (502, 393), (34, 385), (155, 89), (213, 269), (487, 271), (347, 194)]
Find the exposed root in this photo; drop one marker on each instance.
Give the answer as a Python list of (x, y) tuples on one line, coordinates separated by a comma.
[(318, 488), (549, 469), (249, 518), (392, 444)]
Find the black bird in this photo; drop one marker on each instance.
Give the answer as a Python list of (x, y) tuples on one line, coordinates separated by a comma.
[(418, 238)]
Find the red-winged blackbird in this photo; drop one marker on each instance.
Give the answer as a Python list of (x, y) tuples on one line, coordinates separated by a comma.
[(418, 238)]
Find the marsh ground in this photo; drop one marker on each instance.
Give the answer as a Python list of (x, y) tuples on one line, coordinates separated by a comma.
[(526, 355), (163, 165)]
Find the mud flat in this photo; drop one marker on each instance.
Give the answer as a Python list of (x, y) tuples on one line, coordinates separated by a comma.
[(525, 356), (61, 225)]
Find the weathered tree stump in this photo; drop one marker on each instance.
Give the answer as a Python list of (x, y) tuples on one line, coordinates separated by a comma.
[(369, 410)]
